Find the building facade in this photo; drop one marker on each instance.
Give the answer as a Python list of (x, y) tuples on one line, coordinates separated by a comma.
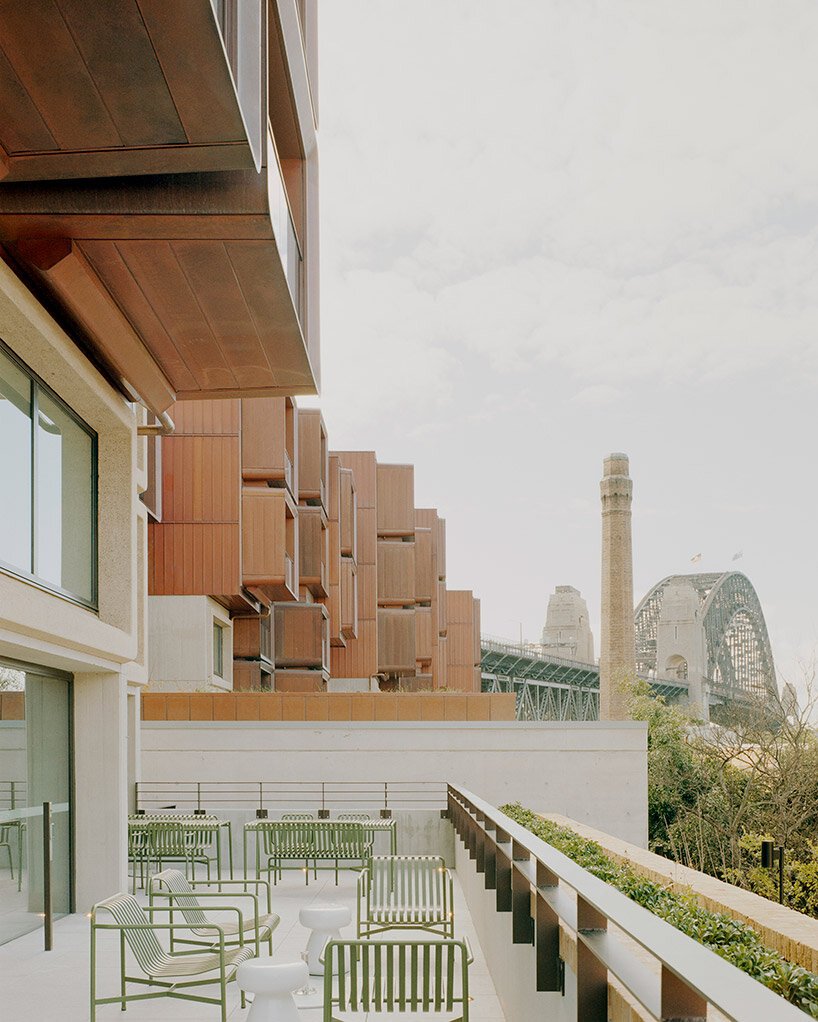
[(158, 251)]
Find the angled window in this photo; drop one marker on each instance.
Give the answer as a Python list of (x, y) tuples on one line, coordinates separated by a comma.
[(48, 467)]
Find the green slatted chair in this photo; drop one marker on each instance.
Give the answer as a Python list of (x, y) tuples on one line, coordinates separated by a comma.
[(412, 976), (5, 842), (296, 817), (290, 839), (253, 925), (181, 841), (354, 817), (405, 892), (172, 971), (344, 841)]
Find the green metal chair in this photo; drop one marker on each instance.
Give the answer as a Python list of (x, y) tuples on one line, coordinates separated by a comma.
[(287, 839), (354, 817), (411, 976), (180, 893), (172, 971), (139, 851), (5, 842), (181, 841), (295, 817), (405, 892)]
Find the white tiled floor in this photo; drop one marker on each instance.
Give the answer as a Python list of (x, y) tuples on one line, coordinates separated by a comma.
[(36, 986)]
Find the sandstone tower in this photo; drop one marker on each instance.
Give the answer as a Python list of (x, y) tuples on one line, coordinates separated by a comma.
[(617, 654), (567, 631)]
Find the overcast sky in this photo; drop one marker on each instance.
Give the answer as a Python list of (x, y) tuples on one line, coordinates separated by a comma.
[(552, 229)]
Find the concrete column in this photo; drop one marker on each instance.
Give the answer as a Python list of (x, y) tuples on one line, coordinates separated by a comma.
[(617, 655), (100, 787)]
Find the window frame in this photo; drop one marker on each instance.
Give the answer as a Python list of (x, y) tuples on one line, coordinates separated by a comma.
[(218, 646), (15, 570)]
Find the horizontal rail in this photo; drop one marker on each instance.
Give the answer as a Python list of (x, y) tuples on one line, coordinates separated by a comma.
[(524, 869), (284, 795)]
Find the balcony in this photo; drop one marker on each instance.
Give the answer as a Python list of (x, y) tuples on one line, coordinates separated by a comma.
[(396, 500), (131, 100), (269, 543), (425, 575), (396, 642), (396, 573), (349, 599), (313, 550), (348, 513), (179, 284), (301, 636), (269, 442), (313, 458)]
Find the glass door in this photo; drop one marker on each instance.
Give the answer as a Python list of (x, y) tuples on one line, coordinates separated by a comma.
[(35, 767)]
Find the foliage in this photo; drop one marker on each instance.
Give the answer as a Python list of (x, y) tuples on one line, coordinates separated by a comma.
[(736, 942)]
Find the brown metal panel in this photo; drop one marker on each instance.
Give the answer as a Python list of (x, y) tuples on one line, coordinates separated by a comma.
[(263, 536), (119, 57), (423, 634), (679, 1001), (210, 275), (189, 50), (23, 128), (155, 266), (348, 513), (263, 439), (349, 599), (423, 565), (396, 573), (187, 559), (207, 418), (300, 681), (252, 637), (200, 478), (313, 462), (396, 500), (360, 657), (367, 536), (396, 641), (442, 609), (441, 548), (108, 264), (364, 468), (43, 53), (367, 591), (313, 547), (301, 635)]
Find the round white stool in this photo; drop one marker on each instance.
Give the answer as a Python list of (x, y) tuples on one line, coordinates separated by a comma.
[(273, 987), (325, 921)]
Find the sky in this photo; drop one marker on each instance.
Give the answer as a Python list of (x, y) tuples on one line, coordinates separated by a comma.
[(552, 229)]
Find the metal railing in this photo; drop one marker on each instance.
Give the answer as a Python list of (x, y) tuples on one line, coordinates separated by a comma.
[(281, 796), (12, 794), (545, 890)]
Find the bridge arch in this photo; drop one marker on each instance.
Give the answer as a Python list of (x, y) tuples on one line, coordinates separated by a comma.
[(740, 664)]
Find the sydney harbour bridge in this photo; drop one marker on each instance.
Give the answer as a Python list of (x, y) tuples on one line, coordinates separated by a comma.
[(701, 640)]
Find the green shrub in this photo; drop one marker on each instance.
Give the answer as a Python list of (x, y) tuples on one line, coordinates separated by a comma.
[(736, 942)]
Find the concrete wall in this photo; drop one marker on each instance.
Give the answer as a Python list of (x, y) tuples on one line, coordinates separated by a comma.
[(181, 646), (594, 772)]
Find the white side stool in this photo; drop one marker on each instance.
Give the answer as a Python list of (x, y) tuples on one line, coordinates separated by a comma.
[(325, 921), (273, 987)]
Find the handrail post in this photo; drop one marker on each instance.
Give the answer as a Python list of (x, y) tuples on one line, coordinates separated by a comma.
[(592, 975), (47, 856)]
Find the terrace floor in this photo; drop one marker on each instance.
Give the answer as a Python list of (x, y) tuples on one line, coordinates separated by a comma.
[(37, 985)]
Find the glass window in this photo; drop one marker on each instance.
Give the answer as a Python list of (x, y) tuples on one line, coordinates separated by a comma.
[(218, 650), (48, 465), (15, 465)]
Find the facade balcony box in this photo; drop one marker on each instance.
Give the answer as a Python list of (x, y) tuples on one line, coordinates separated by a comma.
[(440, 664), (333, 605), (252, 676), (423, 635), (477, 652), (269, 540), (126, 95), (396, 573), (181, 286), (313, 458), (301, 681), (348, 513), (425, 576), (359, 658), (349, 599), (253, 637), (269, 442), (396, 500), (440, 546), (313, 551), (301, 634), (396, 641), (364, 469)]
